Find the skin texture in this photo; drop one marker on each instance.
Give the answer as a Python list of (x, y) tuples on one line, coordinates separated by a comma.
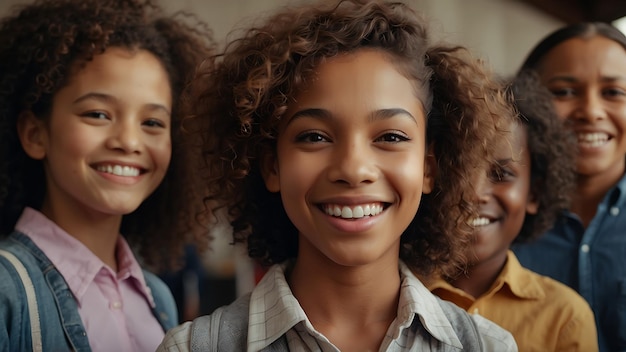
[(114, 112), (588, 80), (505, 198), (355, 136)]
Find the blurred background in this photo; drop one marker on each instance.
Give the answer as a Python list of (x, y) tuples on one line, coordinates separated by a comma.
[(501, 32)]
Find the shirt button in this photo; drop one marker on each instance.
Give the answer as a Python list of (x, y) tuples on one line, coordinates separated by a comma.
[(614, 211), (116, 305), (584, 248)]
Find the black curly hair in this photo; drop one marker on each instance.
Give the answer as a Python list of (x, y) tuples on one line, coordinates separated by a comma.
[(41, 46), (552, 149), (241, 103)]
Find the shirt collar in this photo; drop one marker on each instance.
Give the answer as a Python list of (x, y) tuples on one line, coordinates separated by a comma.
[(74, 261), (521, 283), (620, 192), (274, 310)]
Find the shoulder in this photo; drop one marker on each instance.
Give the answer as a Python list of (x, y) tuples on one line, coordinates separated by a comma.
[(559, 295), (163, 299), (177, 339), (157, 286), (476, 332), (568, 311), (13, 258), (224, 329)]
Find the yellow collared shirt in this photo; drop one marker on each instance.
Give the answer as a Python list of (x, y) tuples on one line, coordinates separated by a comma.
[(541, 313)]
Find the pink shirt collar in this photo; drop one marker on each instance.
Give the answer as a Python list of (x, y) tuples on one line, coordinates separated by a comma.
[(78, 265)]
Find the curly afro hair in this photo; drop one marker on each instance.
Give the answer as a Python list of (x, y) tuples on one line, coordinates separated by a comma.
[(41, 46), (240, 104), (552, 149)]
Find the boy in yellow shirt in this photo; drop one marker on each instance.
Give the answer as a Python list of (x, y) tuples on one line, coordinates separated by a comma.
[(518, 199)]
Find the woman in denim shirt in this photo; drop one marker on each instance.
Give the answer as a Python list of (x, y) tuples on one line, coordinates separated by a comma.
[(584, 66), (91, 147)]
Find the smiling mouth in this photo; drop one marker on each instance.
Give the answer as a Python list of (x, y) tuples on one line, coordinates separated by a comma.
[(593, 140), (119, 170), (481, 221), (354, 211)]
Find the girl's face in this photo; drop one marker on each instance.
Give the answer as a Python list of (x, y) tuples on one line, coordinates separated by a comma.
[(588, 80), (106, 145), (505, 198), (350, 160)]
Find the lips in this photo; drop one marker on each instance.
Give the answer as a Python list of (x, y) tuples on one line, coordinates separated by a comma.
[(357, 211)]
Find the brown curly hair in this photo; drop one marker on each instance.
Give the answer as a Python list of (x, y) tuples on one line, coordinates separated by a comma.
[(241, 102), (41, 45), (552, 150)]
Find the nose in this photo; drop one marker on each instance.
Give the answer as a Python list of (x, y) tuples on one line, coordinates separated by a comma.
[(484, 188), (589, 108), (125, 137), (353, 164)]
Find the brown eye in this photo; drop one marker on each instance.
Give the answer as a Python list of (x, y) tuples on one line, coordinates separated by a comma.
[(96, 115)]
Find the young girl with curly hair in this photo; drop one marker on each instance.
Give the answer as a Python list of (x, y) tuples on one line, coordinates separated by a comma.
[(343, 144), (91, 147), (519, 199)]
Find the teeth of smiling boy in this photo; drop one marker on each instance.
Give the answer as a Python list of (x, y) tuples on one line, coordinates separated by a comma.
[(593, 139), (119, 170), (353, 212), (480, 222)]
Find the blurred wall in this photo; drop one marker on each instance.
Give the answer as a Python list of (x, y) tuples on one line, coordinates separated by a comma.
[(500, 31)]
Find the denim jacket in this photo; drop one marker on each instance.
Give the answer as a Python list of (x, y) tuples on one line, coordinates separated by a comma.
[(61, 325), (591, 260)]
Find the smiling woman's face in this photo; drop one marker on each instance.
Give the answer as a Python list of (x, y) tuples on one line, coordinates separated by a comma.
[(588, 80)]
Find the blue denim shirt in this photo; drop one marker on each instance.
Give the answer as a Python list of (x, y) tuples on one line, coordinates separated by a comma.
[(592, 261), (61, 325)]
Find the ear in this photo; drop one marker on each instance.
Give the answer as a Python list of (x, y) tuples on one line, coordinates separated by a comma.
[(430, 172), (269, 171), (32, 133)]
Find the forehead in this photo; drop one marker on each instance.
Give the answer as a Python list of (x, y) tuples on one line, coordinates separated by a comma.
[(367, 78), (513, 143), (584, 56)]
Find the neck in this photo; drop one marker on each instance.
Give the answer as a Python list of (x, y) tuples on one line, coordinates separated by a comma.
[(481, 276), (590, 191), (97, 232), (344, 302)]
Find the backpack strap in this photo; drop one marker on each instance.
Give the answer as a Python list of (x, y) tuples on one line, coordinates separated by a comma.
[(464, 326), (31, 299), (205, 332), (226, 330)]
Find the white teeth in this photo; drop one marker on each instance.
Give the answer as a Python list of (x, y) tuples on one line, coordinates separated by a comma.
[(595, 139), (354, 212), (480, 222), (119, 170)]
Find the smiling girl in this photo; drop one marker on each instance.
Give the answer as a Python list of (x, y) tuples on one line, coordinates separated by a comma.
[(343, 143), (91, 147)]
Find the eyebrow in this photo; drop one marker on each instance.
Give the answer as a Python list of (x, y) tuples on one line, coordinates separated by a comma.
[(571, 79), (105, 98), (376, 115), (504, 161)]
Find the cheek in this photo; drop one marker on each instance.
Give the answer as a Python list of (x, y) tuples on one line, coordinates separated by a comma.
[(406, 170), (563, 109), (161, 151)]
